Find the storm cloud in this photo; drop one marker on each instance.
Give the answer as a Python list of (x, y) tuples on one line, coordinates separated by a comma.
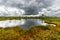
[(31, 7)]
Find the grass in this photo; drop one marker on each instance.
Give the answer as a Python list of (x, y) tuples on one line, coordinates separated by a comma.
[(34, 32), (18, 18), (53, 20), (9, 18)]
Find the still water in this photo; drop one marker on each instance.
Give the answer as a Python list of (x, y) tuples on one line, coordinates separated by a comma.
[(23, 23), (32, 22)]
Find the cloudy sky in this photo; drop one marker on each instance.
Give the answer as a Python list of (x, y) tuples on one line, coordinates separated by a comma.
[(29, 7)]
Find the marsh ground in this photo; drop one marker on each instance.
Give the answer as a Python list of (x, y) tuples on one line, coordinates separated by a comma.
[(34, 33)]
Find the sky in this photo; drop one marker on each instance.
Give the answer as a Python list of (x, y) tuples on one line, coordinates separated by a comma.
[(29, 7)]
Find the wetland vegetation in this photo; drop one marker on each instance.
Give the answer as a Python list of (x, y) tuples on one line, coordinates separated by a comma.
[(38, 32)]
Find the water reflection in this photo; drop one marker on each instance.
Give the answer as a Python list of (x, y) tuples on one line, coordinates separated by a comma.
[(10, 23), (23, 23), (31, 22)]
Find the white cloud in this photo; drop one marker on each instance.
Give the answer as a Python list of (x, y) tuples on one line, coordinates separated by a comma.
[(53, 9), (55, 5), (11, 11), (40, 5)]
